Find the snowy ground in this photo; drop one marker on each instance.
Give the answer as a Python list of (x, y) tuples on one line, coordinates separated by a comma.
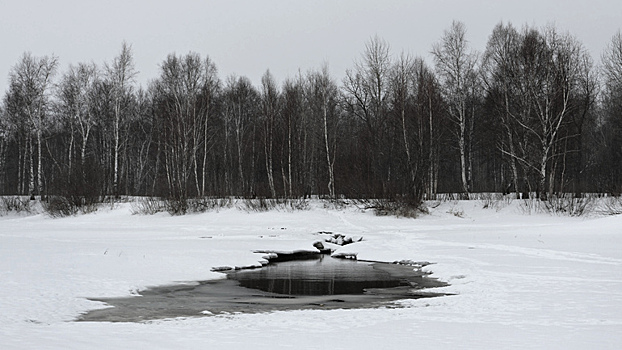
[(537, 281)]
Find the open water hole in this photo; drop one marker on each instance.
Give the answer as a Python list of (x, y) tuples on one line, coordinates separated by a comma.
[(320, 282), (321, 276)]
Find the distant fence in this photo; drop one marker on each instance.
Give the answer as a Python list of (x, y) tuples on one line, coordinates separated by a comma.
[(499, 196)]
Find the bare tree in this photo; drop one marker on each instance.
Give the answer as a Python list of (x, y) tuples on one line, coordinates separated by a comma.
[(500, 80), (292, 114), (367, 91), (430, 101), (185, 94), (403, 87), (551, 66), (15, 126), (4, 141), (457, 68), (29, 96), (211, 87), (585, 99), (240, 101), (612, 64), (75, 96), (323, 99), (120, 75), (270, 111), (609, 136)]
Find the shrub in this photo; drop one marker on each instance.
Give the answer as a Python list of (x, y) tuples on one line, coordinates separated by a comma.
[(59, 206), (612, 205), (560, 204), (267, 204), (153, 205), (337, 204), (496, 201), (148, 206), (77, 190), (569, 204), (400, 207), (15, 204), (201, 205), (530, 206)]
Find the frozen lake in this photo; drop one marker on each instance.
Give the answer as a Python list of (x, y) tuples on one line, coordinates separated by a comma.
[(518, 281)]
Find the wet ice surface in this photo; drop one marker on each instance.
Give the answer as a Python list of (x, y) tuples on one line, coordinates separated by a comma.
[(318, 283), (327, 276)]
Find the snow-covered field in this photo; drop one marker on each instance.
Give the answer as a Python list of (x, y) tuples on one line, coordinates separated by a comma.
[(522, 281)]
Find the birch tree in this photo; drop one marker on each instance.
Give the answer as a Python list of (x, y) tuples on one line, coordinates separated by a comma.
[(323, 98), (269, 110), (500, 78), (120, 75), (240, 109), (456, 66), (403, 90), (15, 127), (550, 64), (30, 83), (75, 96), (429, 103), (185, 96), (293, 104)]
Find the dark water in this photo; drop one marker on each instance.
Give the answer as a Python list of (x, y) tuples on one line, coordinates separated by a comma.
[(320, 283), (323, 276)]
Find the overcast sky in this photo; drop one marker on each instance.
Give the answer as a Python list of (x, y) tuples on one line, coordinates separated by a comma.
[(246, 37)]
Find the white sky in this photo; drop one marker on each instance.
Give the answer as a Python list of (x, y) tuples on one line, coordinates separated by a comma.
[(247, 37)]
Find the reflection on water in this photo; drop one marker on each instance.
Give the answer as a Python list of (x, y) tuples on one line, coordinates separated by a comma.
[(322, 276)]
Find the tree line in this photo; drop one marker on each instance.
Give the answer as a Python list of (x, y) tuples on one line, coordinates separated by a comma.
[(532, 114)]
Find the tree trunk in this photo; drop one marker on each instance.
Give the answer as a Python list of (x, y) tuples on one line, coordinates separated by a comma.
[(269, 171), (542, 195), (331, 175), (21, 164), (39, 166), (83, 150), (243, 186), (268, 154), (513, 157), (2, 165), (115, 179), (70, 151), (205, 149), (431, 158), (409, 163), (251, 179), (31, 182), (463, 165), (289, 154)]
